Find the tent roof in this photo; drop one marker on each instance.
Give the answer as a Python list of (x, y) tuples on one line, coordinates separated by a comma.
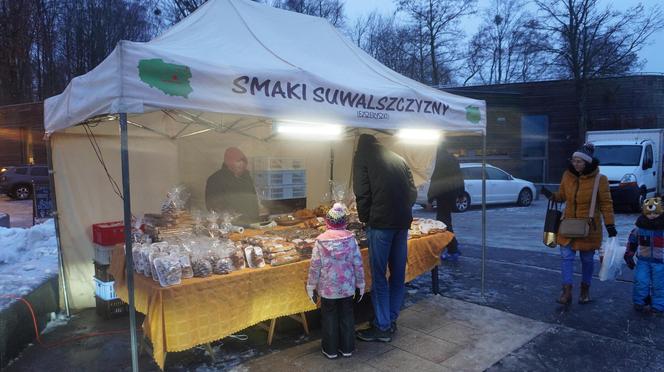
[(244, 58)]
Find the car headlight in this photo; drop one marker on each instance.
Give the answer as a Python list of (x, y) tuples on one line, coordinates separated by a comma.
[(628, 179), (3, 170)]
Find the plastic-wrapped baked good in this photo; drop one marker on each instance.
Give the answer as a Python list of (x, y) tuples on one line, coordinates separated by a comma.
[(254, 256), (168, 270), (154, 255), (282, 260), (136, 257), (212, 256), (238, 259), (256, 241), (185, 263), (160, 246), (145, 260), (223, 266), (273, 247), (176, 200), (201, 267)]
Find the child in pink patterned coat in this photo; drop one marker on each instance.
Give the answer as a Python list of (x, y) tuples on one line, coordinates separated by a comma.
[(335, 273)]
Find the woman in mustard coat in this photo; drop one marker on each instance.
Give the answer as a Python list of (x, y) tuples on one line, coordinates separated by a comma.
[(575, 191)]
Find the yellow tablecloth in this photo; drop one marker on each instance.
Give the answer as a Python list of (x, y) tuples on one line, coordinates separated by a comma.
[(202, 310)]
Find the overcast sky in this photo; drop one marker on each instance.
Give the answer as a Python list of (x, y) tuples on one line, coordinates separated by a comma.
[(653, 53)]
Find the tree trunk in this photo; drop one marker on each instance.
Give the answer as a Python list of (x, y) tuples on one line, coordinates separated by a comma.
[(435, 78)]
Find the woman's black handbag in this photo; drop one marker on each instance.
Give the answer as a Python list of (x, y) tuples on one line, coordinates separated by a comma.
[(551, 224)]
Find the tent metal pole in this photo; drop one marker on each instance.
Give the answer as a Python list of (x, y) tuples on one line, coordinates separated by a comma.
[(56, 222), (129, 261), (331, 169), (483, 211)]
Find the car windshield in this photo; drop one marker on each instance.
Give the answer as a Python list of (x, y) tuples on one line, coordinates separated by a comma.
[(624, 155)]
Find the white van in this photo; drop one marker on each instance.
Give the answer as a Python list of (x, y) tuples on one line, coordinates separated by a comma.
[(632, 161)]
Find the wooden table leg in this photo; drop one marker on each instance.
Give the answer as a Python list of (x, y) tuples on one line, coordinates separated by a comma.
[(302, 319), (304, 323), (270, 332)]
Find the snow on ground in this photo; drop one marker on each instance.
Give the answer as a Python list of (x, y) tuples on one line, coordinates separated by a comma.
[(28, 258)]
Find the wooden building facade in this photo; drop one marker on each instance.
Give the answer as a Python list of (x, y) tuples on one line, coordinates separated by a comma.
[(532, 128)]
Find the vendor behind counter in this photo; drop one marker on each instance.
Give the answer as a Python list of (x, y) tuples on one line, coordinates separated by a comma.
[(232, 189)]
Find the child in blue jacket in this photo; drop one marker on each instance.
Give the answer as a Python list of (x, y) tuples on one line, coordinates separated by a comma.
[(646, 242)]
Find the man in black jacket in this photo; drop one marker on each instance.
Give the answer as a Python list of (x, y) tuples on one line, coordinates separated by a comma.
[(445, 188), (232, 189), (385, 194)]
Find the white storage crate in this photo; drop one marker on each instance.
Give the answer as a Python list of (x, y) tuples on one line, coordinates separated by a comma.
[(268, 163), (283, 192), (280, 178), (103, 253), (105, 290)]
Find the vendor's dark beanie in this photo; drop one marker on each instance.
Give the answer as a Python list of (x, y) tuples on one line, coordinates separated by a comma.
[(585, 152), (366, 140)]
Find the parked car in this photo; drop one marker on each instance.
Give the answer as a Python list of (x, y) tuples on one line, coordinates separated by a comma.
[(501, 187), (17, 181)]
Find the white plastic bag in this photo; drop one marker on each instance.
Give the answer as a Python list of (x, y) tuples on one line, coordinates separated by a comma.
[(613, 260)]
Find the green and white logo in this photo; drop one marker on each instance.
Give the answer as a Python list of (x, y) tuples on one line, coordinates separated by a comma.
[(169, 78), (473, 114)]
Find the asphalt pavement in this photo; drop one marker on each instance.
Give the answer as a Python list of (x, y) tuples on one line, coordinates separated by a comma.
[(510, 226), (19, 211), (519, 277)]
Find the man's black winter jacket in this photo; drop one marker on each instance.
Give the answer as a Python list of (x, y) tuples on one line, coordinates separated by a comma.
[(383, 186)]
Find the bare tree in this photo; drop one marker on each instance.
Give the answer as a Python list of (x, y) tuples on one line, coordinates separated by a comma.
[(47, 67), (46, 43), (533, 60), (506, 48), (361, 29), (438, 21), (401, 47), (590, 41), (176, 10), (90, 29), (332, 10), (16, 37)]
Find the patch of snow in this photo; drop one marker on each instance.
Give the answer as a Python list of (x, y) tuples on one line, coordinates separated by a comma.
[(28, 258)]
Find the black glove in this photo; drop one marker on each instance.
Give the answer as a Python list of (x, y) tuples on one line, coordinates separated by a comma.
[(314, 297), (546, 192), (629, 259), (611, 230)]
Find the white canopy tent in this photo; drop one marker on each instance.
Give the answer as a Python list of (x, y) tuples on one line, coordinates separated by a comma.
[(230, 67), (240, 57)]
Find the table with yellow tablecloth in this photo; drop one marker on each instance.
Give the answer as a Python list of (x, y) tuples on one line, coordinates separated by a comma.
[(203, 310)]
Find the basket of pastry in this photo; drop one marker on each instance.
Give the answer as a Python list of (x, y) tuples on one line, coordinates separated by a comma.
[(304, 214), (315, 222), (422, 227), (322, 209), (287, 220)]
